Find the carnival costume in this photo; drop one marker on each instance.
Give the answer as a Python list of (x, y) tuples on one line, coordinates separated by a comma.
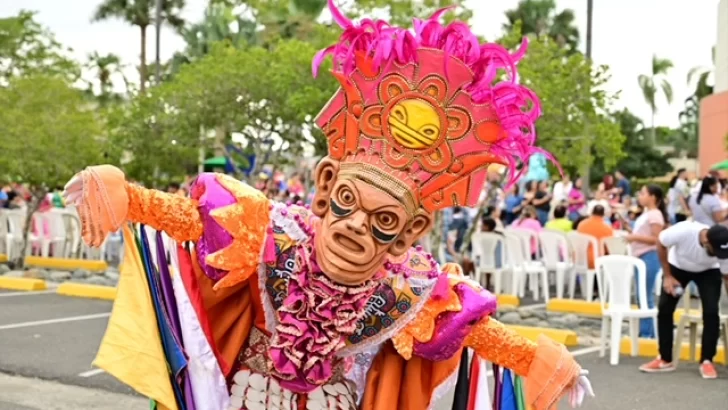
[(263, 305)]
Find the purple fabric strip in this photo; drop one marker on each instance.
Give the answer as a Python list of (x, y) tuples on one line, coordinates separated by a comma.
[(170, 303), (211, 195), (498, 389)]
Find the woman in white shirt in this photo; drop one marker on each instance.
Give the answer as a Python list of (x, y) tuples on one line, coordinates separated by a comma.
[(705, 205)]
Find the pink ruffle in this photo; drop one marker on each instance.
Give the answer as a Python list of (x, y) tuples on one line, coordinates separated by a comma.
[(313, 322)]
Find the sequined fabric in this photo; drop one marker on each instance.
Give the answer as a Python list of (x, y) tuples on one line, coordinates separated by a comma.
[(176, 215), (247, 222), (498, 344)]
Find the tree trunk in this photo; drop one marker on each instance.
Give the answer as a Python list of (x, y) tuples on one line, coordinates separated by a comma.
[(143, 65), (653, 134), (33, 206)]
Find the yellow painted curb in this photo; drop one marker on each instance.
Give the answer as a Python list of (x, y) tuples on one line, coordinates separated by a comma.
[(66, 264), (565, 337), (22, 283), (82, 290), (3, 258), (649, 348), (508, 300), (577, 307)]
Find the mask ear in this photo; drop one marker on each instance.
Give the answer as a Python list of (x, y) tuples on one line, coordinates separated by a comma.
[(324, 178), (415, 229)]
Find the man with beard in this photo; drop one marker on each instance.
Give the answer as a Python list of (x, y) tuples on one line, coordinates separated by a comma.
[(691, 252)]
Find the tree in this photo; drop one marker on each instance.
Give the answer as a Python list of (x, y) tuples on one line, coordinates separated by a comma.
[(104, 67), (572, 96), (540, 18), (702, 77), (649, 83), (267, 95), (139, 13), (642, 160), (401, 12), (27, 48), (47, 133)]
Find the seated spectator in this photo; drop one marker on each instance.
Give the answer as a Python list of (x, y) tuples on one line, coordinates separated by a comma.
[(560, 222), (489, 224), (456, 231), (594, 226), (529, 221)]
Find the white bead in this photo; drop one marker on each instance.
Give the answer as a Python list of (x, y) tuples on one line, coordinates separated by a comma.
[(331, 403), (255, 395), (273, 386), (314, 404), (254, 405), (236, 402), (237, 390), (318, 393), (331, 390), (257, 382), (241, 378), (341, 389)]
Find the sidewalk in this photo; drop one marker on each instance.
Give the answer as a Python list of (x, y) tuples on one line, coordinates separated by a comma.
[(18, 393)]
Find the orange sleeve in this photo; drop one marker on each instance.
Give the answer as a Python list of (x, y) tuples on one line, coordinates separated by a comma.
[(502, 346), (176, 215), (548, 367)]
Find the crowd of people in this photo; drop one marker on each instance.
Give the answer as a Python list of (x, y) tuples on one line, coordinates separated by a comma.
[(681, 234)]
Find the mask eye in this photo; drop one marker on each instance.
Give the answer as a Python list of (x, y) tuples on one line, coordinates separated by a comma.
[(386, 220), (338, 210), (345, 197)]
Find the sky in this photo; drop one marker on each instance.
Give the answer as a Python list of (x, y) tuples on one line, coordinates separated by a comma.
[(626, 33)]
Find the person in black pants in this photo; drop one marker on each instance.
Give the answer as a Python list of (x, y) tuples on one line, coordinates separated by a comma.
[(691, 252)]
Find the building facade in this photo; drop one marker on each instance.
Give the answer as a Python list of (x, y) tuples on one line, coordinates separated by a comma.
[(714, 109)]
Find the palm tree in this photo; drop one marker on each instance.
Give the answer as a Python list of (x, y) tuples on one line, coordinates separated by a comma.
[(648, 84), (539, 17), (297, 20), (702, 77), (140, 13), (105, 66)]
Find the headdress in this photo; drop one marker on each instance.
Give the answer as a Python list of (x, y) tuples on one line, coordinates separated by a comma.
[(423, 113)]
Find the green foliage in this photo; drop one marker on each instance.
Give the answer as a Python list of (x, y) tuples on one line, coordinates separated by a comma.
[(574, 103), (263, 94), (540, 18), (47, 131), (401, 12), (27, 48), (642, 160)]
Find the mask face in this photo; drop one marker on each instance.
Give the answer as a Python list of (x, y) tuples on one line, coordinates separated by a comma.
[(356, 233)]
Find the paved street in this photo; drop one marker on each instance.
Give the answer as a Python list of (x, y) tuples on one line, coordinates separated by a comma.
[(54, 338)]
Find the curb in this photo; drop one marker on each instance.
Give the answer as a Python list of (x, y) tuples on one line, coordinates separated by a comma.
[(577, 307), (66, 264), (27, 284), (566, 337), (81, 290), (649, 348), (508, 300)]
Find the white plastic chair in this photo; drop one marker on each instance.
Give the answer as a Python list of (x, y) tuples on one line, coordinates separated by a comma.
[(528, 238), (14, 237), (485, 252), (556, 257), (616, 245), (580, 244), (524, 269), (618, 273)]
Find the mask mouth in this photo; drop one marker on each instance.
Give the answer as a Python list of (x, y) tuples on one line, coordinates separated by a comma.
[(347, 243)]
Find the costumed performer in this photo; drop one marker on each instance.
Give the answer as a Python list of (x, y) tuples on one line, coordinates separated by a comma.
[(332, 307)]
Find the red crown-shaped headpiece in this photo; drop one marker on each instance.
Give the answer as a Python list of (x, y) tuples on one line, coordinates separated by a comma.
[(422, 112)]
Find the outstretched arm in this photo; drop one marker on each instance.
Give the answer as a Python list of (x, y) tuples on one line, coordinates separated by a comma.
[(105, 200), (460, 318)]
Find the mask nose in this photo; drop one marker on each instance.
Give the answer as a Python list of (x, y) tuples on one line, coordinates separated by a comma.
[(357, 223)]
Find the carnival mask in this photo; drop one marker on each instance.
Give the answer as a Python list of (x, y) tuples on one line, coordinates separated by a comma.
[(361, 225)]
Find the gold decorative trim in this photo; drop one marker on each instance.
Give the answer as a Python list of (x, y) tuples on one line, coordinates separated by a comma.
[(380, 179)]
